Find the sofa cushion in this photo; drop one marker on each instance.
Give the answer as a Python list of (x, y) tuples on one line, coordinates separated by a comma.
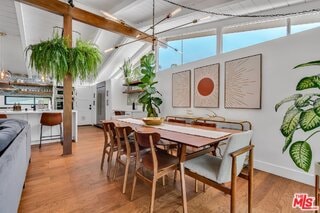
[(9, 129)]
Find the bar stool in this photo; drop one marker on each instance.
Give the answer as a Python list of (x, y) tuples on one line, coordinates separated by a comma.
[(50, 119), (3, 116), (317, 175)]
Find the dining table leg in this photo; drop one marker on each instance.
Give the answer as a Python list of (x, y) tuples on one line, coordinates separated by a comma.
[(182, 179)]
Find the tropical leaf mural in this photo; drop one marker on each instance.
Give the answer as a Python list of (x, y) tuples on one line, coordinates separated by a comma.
[(303, 115)]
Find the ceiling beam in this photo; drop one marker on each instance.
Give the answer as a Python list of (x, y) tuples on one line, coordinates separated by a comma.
[(61, 8)]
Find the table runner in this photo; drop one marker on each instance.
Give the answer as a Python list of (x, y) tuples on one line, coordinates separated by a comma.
[(180, 129)]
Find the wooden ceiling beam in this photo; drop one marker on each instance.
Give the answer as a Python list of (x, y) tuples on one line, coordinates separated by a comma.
[(61, 8)]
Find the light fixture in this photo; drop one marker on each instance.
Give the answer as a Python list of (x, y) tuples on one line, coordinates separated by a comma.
[(70, 2), (5, 75), (112, 17), (140, 37), (175, 12)]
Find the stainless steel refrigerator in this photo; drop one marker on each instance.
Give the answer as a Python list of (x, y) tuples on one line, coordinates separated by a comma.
[(101, 100)]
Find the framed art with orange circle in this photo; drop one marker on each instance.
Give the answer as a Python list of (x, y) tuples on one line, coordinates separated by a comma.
[(206, 86)]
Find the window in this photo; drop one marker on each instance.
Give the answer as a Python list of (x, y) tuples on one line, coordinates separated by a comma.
[(188, 50), (168, 57), (24, 100), (251, 34), (199, 48), (303, 27)]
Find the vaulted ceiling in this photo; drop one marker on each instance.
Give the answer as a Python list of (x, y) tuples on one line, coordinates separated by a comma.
[(27, 25)]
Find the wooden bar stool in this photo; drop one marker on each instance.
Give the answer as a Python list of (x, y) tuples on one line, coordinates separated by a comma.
[(50, 119), (317, 175), (3, 116)]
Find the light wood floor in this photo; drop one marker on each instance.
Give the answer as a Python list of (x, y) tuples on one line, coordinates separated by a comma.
[(76, 184)]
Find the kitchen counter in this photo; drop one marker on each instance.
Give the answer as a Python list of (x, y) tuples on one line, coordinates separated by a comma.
[(33, 118)]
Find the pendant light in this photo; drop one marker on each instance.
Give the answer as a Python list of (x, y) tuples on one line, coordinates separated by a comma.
[(5, 75)]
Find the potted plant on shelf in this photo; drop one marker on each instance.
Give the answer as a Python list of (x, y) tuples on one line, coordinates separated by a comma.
[(127, 71), (303, 114), (149, 98)]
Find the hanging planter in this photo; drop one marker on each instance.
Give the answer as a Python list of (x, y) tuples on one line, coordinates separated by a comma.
[(54, 58)]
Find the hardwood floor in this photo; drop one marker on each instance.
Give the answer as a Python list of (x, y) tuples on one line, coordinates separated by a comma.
[(76, 184)]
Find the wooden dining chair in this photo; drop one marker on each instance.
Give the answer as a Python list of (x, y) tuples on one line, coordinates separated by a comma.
[(110, 145), (176, 120), (157, 161), (215, 171), (126, 149)]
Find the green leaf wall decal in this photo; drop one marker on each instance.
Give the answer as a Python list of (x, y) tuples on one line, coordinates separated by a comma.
[(311, 63), (309, 82), (301, 154), (287, 142), (290, 122), (316, 103), (309, 120), (288, 99), (302, 101)]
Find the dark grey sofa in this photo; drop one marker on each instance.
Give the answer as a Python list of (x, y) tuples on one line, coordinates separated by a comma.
[(15, 151)]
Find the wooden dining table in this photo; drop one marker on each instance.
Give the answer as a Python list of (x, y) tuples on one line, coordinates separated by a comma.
[(183, 140)]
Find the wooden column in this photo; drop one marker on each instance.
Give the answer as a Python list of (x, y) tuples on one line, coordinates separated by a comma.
[(67, 93)]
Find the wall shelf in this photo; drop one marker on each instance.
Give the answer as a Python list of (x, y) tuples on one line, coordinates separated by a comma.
[(30, 84), (133, 91), (34, 93), (134, 83)]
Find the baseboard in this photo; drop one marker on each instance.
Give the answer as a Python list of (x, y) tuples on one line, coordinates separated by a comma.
[(285, 172)]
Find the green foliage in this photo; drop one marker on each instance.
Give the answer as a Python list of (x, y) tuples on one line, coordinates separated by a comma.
[(54, 58), (303, 114), (149, 98), (301, 154), (309, 82)]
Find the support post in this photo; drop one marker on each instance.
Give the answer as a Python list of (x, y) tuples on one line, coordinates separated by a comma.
[(67, 93)]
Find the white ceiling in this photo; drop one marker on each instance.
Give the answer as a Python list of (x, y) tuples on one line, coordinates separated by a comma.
[(30, 25)]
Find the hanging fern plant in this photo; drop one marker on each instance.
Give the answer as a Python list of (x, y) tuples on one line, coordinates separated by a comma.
[(54, 58)]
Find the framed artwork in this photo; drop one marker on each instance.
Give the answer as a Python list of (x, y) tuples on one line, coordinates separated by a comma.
[(206, 86), (243, 78), (181, 89)]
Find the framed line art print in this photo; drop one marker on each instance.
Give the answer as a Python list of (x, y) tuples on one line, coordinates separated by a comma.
[(243, 79), (206, 86), (181, 89)]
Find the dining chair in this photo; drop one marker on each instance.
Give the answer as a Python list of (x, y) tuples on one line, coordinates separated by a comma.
[(110, 145), (127, 149), (215, 171), (157, 161)]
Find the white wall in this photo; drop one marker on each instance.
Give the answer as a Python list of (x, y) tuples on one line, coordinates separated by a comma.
[(119, 99), (278, 81)]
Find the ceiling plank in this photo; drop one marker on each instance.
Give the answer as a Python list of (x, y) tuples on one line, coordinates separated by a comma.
[(61, 8)]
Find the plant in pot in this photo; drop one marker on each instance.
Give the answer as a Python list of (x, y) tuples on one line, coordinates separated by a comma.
[(303, 115), (149, 98), (54, 58), (127, 71)]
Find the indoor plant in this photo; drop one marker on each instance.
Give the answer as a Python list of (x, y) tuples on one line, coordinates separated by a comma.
[(149, 98), (303, 114), (54, 58)]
